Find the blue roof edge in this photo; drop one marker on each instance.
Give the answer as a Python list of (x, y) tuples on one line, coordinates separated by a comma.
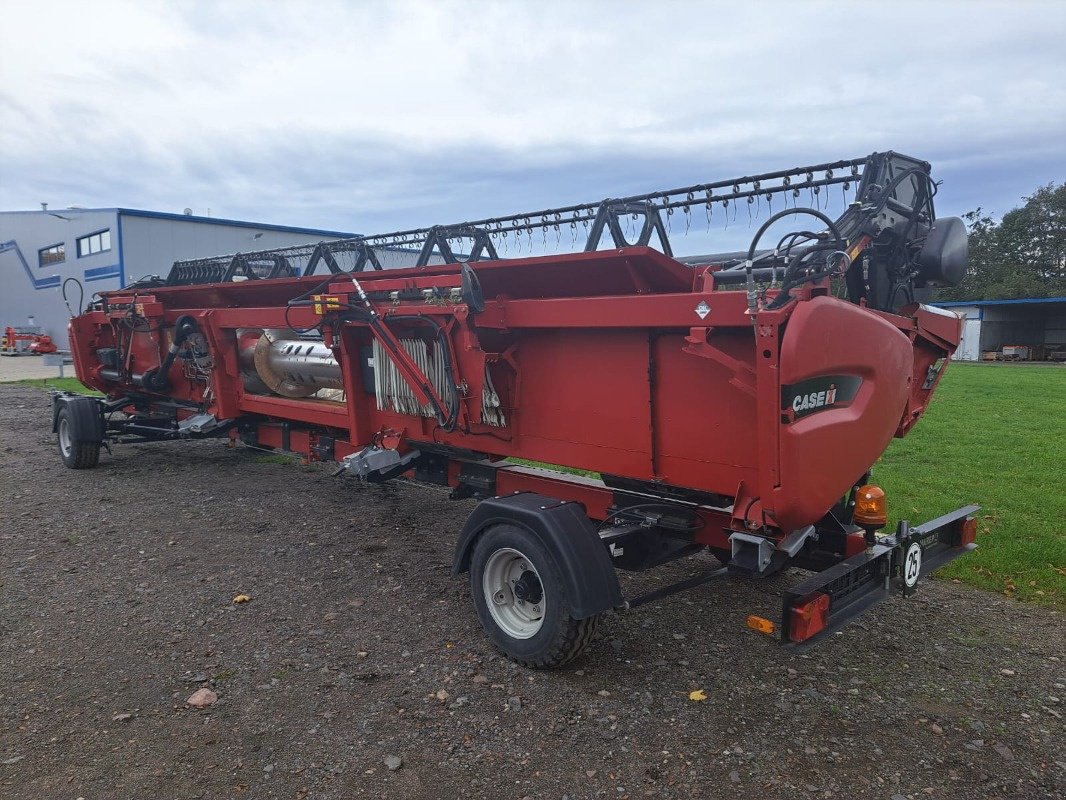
[(234, 223), (1019, 301)]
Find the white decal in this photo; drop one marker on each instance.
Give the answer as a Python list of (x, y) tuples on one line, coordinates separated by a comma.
[(806, 402), (912, 565), (702, 310)]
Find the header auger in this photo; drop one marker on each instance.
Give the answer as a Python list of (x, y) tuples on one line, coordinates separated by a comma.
[(731, 402)]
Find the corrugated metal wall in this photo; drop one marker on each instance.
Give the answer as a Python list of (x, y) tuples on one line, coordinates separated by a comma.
[(140, 245), (31, 289), (151, 245)]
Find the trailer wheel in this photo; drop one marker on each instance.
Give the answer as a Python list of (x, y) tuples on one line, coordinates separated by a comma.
[(76, 454), (521, 602)]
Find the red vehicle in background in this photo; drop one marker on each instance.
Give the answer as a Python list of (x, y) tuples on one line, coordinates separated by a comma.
[(39, 344)]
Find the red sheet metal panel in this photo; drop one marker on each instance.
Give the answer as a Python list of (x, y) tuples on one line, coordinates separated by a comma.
[(619, 362), (585, 400), (836, 348), (704, 425)]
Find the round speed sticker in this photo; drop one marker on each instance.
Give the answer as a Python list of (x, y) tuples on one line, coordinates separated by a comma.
[(912, 565)]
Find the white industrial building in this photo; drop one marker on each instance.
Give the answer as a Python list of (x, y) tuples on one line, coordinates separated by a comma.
[(107, 248)]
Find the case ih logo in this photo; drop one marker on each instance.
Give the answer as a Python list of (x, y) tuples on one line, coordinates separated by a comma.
[(815, 399), (818, 394)]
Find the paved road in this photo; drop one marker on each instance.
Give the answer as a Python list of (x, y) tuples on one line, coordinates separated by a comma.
[(18, 368)]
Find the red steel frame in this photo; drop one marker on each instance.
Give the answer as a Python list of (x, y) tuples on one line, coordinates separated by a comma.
[(603, 362)]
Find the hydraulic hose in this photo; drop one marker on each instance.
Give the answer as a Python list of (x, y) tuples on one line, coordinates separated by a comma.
[(788, 281), (787, 284), (446, 418), (788, 211), (157, 380)]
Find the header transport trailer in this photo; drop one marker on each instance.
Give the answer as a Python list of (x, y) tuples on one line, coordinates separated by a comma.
[(731, 402)]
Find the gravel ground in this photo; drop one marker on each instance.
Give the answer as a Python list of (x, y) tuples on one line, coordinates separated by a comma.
[(357, 668)]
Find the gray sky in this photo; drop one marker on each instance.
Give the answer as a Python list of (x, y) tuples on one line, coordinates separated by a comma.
[(374, 116)]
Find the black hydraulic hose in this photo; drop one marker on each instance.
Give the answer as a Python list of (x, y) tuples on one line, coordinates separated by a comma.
[(788, 211), (791, 239), (446, 418), (157, 381), (332, 277), (301, 300), (81, 298), (762, 274), (791, 280), (446, 421), (787, 282)]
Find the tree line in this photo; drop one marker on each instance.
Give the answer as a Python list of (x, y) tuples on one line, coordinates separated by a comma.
[(1022, 255)]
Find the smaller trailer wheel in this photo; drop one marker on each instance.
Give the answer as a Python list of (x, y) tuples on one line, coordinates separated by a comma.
[(76, 453), (521, 601)]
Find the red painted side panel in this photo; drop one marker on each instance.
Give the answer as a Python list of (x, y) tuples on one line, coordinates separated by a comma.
[(704, 425), (615, 362), (584, 400), (824, 453)]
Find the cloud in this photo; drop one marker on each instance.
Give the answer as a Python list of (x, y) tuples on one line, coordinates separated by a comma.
[(377, 116)]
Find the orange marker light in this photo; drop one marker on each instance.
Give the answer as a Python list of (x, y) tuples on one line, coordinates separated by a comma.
[(760, 624), (871, 508)]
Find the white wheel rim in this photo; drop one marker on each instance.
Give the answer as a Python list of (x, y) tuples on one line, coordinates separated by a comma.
[(504, 571), (65, 444)]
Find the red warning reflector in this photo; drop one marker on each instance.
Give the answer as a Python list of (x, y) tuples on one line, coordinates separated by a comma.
[(969, 531), (809, 617)]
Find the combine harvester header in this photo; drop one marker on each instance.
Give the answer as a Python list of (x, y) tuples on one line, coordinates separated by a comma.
[(733, 402)]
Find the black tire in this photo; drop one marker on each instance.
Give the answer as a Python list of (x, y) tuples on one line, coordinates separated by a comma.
[(76, 453), (560, 638)]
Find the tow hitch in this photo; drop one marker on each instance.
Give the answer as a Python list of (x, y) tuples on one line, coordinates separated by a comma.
[(829, 600)]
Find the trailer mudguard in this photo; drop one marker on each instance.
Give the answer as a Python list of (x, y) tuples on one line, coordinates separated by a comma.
[(568, 534), (87, 419)]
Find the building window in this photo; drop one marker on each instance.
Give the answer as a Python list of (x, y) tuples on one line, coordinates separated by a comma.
[(56, 254), (94, 243)]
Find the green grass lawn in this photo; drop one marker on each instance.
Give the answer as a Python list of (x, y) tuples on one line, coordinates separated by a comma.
[(996, 436), (62, 384)]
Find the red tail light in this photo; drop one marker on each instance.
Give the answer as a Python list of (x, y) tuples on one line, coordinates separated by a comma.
[(969, 531), (809, 617)]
